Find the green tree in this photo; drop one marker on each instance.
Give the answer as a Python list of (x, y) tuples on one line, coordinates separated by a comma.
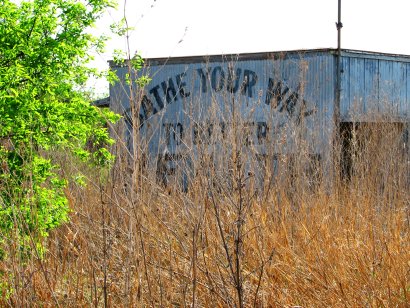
[(44, 47)]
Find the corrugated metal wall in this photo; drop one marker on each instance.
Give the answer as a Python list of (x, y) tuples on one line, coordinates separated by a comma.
[(276, 91), (375, 87), (276, 95)]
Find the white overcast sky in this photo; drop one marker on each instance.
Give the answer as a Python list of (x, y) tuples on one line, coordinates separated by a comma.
[(167, 28)]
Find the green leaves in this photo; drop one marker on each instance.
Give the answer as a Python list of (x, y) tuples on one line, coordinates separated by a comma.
[(44, 47)]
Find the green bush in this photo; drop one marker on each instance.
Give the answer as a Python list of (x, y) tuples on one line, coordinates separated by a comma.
[(43, 52)]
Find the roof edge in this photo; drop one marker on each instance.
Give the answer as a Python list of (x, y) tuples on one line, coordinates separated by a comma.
[(103, 102), (266, 55), (227, 57)]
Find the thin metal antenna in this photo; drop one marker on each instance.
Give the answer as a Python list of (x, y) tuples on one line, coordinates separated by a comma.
[(339, 24)]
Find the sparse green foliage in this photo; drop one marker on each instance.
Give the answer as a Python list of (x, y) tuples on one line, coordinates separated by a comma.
[(118, 56), (43, 51), (120, 28)]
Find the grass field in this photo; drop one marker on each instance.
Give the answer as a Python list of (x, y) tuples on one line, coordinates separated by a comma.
[(235, 238)]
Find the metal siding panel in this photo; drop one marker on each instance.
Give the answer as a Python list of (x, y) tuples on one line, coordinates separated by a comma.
[(345, 87), (392, 89), (374, 88), (386, 84), (366, 80), (310, 76), (399, 91), (405, 103), (119, 94), (371, 84), (405, 109), (319, 88), (356, 87)]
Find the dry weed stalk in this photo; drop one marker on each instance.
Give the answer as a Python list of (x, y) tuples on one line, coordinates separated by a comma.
[(248, 231)]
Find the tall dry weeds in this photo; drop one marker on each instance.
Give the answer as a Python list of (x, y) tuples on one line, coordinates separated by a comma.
[(250, 231)]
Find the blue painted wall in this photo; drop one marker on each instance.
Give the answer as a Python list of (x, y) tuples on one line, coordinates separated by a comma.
[(273, 92)]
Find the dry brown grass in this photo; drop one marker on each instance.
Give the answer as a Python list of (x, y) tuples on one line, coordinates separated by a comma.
[(226, 243), (286, 231)]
